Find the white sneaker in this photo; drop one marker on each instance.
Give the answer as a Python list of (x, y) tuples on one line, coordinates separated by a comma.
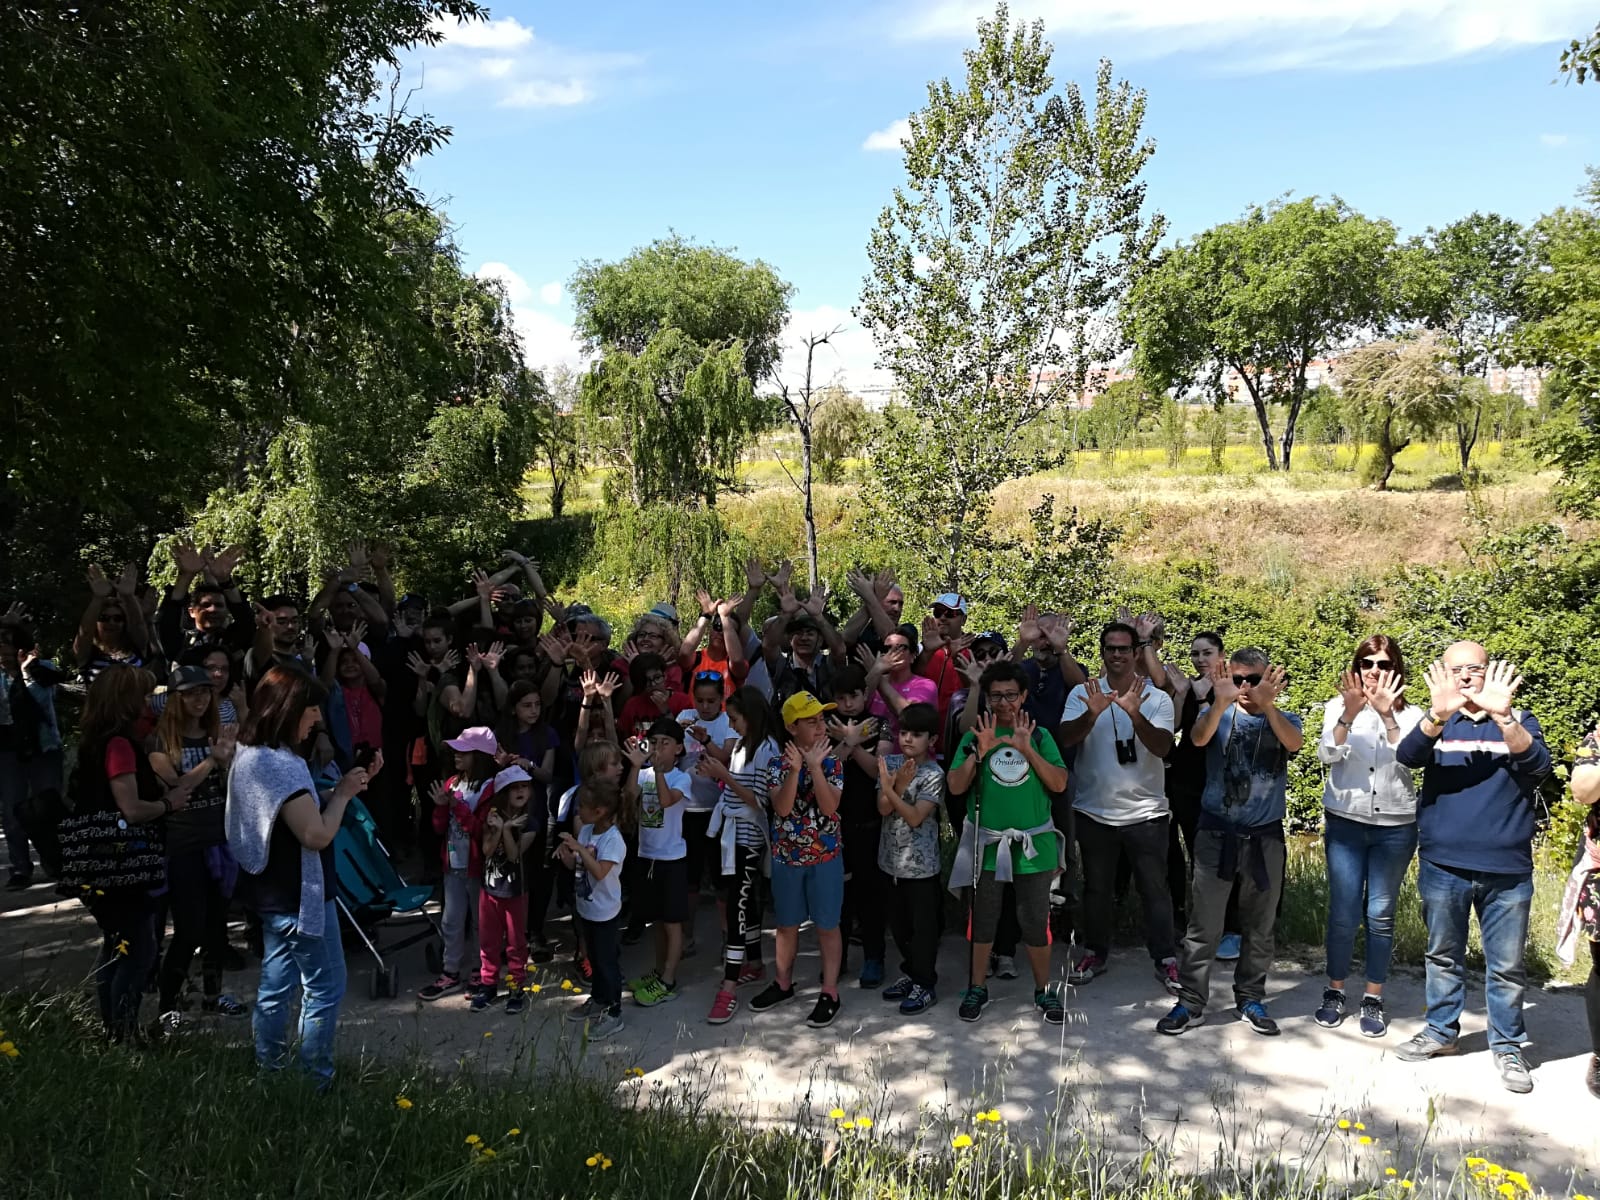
[(1005, 966)]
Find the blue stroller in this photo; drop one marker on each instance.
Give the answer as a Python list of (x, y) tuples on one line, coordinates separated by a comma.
[(370, 890)]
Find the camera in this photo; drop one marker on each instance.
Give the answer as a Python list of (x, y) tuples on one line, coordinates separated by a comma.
[(1127, 754)]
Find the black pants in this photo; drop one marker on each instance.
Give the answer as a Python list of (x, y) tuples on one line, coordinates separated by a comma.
[(126, 918), (199, 922), (1146, 844), (741, 901), (539, 880), (865, 890), (914, 906), (1591, 996), (604, 944), (1180, 854), (699, 853)]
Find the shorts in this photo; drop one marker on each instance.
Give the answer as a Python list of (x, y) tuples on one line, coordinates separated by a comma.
[(1033, 907), (664, 890), (815, 891)]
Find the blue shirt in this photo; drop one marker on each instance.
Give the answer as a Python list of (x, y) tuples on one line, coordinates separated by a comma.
[(1476, 810), (1247, 770)]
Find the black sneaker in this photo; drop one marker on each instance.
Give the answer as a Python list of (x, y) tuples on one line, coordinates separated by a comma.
[(1374, 1022), (771, 997), (1331, 1014), (19, 883), (1179, 1019), (482, 998), (1422, 1047), (516, 1002), (899, 989), (441, 986), (1256, 1013), (972, 1002), (823, 1012), (1048, 1001), (542, 954)]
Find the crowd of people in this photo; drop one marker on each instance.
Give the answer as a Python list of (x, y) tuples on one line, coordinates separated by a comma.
[(538, 762)]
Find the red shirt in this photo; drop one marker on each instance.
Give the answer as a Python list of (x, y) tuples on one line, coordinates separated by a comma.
[(120, 758), (640, 712), (947, 677)]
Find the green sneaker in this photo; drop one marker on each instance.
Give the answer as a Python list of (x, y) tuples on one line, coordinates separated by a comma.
[(641, 984), (972, 1002), (1048, 1001), (651, 991)]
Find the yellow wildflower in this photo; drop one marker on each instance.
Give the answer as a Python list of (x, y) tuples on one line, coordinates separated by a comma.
[(863, 1122), (1364, 1140), (1581, 1196), (847, 1124), (961, 1141), (1475, 1163), (993, 1116), (1493, 1169), (1507, 1189), (1521, 1180), (836, 1114), (486, 1152), (488, 1034), (1407, 1184), (1360, 1126), (605, 1163), (592, 1161), (122, 946), (577, 991), (474, 1140), (1344, 1123), (402, 1103), (513, 1131), (535, 988), (566, 985), (638, 1073), (1390, 1171)]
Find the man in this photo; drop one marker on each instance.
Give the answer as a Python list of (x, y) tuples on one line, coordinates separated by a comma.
[(219, 615), (1042, 652), (1482, 762), (279, 637), (942, 644), (1010, 768), (1122, 725), (807, 666), (30, 745), (1248, 742), (882, 604)]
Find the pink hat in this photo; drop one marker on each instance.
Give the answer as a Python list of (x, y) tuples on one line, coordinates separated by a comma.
[(479, 737)]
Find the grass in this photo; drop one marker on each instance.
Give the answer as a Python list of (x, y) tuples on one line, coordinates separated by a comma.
[(193, 1119)]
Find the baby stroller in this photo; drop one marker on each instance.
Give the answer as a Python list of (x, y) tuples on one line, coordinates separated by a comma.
[(371, 890)]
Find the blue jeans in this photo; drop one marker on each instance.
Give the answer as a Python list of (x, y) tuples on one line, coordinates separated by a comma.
[(317, 965), (1450, 895), (126, 918), (1365, 866)]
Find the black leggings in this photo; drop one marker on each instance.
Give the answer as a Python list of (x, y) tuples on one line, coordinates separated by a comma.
[(741, 894), (199, 922), (126, 918), (1591, 997)]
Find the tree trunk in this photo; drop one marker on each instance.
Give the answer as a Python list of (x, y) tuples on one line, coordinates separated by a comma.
[(1263, 420), (1294, 412), (811, 516), (1466, 439)]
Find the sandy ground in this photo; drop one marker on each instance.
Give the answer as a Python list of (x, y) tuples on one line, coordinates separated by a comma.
[(1220, 1088)]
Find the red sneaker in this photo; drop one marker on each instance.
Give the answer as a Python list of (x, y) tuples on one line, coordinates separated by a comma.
[(752, 973), (723, 1007), (586, 969)]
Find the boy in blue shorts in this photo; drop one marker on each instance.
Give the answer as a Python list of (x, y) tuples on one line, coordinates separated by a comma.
[(807, 865)]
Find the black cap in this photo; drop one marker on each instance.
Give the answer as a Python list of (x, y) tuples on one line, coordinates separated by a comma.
[(413, 600), (187, 679), (992, 635), (666, 727), (803, 621)]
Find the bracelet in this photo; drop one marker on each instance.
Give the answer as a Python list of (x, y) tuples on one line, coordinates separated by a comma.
[(1437, 720), (166, 806), (1341, 723), (1142, 645)]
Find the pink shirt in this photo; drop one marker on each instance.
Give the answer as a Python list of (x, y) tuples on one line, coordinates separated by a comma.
[(917, 689)]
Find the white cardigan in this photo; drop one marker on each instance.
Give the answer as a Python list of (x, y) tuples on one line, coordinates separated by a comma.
[(1365, 783)]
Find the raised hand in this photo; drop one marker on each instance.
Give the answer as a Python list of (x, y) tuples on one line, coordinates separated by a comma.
[(222, 749), (440, 795), (1128, 701), (1021, 735), (635, 751), (1124, 615), (793, 760), (754, 574), (1445, 696), (557, 611), (335, 639), (848, 734), (971, 668), (858, 582), (379, 557), (818, 600), (360, 560), (815, 753), (932, 639), (708, 606), (607, 684), (1384, 694), (224, 562), (867, 659), (556, 646), (189, 560), (1095, 698), (983, 732), (482, 584), (99, 585), (357, 635), (1263, 694), (1028, 629), (128, 582), (450, 661), (1223, 689), (725, 609), (1148, 623), (590, 682), (1354, 694), (264, 616), (417, 665), (15, 614), (1058, 632), (1500, 684), (959, 645), (492, 656), (787, 604), (781, 579), (514, 556)]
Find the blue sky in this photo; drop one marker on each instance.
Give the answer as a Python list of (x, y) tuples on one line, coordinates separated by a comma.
[(582, 131)]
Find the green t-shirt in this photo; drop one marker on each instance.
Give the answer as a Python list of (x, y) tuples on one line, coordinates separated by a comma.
[(1012, 797)]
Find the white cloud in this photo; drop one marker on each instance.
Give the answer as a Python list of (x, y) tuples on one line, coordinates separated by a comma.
[(550, 293), (1553, 139), (547, 340), (505, 34), (511, 67), (545, 93), (1266, 35), (849, 359), (890, 138), (496, 68)]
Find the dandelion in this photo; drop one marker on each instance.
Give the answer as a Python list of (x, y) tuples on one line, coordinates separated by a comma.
[(486, 1153), (1390, 1171), (489, 1034), (863, 1122), (1507, 1189), (513, 1131), (1360, 1126), (605, 1163), (535, 988), (1407, 1184), (836, 1114), (638, 1073), (474, 1140), (1344, 1123), (592, 1161), (1581, 1196), (566, 985), (402, 1103), (993, 1116), (1364, 1140), (577, 991), (1475, 1163), (1520, 1180), (961, 1141), (847, 1124), (122, 947), (9, 1049), (1493, 1169)]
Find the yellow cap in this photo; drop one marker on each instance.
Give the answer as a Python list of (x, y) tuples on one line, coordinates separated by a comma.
[(802, 705)]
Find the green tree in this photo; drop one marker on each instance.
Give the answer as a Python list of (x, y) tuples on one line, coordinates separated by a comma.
[(1398, 390), (1174, 429), (1262, 297), (684, 335), (560, 443), (841, 432), (1467, 286), (193, 201), (1021, 222), (1581, 59)]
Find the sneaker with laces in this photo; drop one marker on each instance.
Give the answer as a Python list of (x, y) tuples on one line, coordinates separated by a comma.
[(482, 998), (1423, 1047), (169, 1023), (723, 1005), (583, 1012), (1085, 969), (441, 986), (642, 983), (899, 989), (1181, 1017), (654, 990), (516, 1002), (771, 996), (918, 999), (603, 1026), (752, 972), (824, 1011), (1167, 974), (226, 1005), (1374, 1022), (972, 1002), (1005, 966), (1514, 1071), (871, 973), (1331, 1013), (1255, 1012), (1048, 1001)]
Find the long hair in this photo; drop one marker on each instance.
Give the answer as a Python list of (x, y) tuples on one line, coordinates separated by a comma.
[(749, 703), (115, 701), (1382, 643), (277, 705), (506, 734), (480, 766), (173, 719)]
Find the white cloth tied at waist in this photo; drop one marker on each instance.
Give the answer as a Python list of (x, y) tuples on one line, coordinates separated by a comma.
[(725, 822), (974, 839)]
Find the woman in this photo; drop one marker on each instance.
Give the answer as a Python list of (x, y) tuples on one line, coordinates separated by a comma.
[(1580, 907), (1371, 829), (281, 833), (113, 630), (112, 841), (194, 748), (355, 696), (1186, 772)]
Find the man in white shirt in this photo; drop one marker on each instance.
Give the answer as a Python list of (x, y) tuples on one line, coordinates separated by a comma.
[(1122, 726)]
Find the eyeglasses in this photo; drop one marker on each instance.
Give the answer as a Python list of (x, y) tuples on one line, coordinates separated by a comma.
[(1374, 664), (1470, 669), (1004, 697), (1116, 649), (1246, 680), (708, 676)]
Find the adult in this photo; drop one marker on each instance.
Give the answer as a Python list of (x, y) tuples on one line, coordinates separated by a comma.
[(193, 748), (112, 631), (1041, 650), (1122, 725), (30, 741), (356, 694), (882, 605), (1482, 763), (943, 644), (112, 843), (814, 647), (1370, 822), (281, 637), (1248, 741), (892, 683), (655, 632), (1580, 906), (1185, 781), (724, 644), (281, 833), (206, 592)]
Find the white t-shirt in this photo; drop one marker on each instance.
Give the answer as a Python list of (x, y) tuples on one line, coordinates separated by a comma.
[(753, 771), (703, 793), (661, 829), (600, 899), (1108, 791)]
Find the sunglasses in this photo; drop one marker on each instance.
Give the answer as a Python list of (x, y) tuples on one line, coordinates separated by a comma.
[(1470, 669), (708, 676), (1246, 680), (940, 610), (1116, 649), (1374, 664)]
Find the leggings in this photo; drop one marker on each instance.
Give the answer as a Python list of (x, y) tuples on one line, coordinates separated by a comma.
[(199, 922), (1591, 997), (126, 918), (741, 893)]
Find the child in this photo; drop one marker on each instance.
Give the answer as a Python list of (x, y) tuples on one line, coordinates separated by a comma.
[(807, 870), (866, 897), (595, 856), (708, 733), (455, 807), (740, 825), (503, 904), (663, 867), (910, 785), (599, 762), (528, 741)]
